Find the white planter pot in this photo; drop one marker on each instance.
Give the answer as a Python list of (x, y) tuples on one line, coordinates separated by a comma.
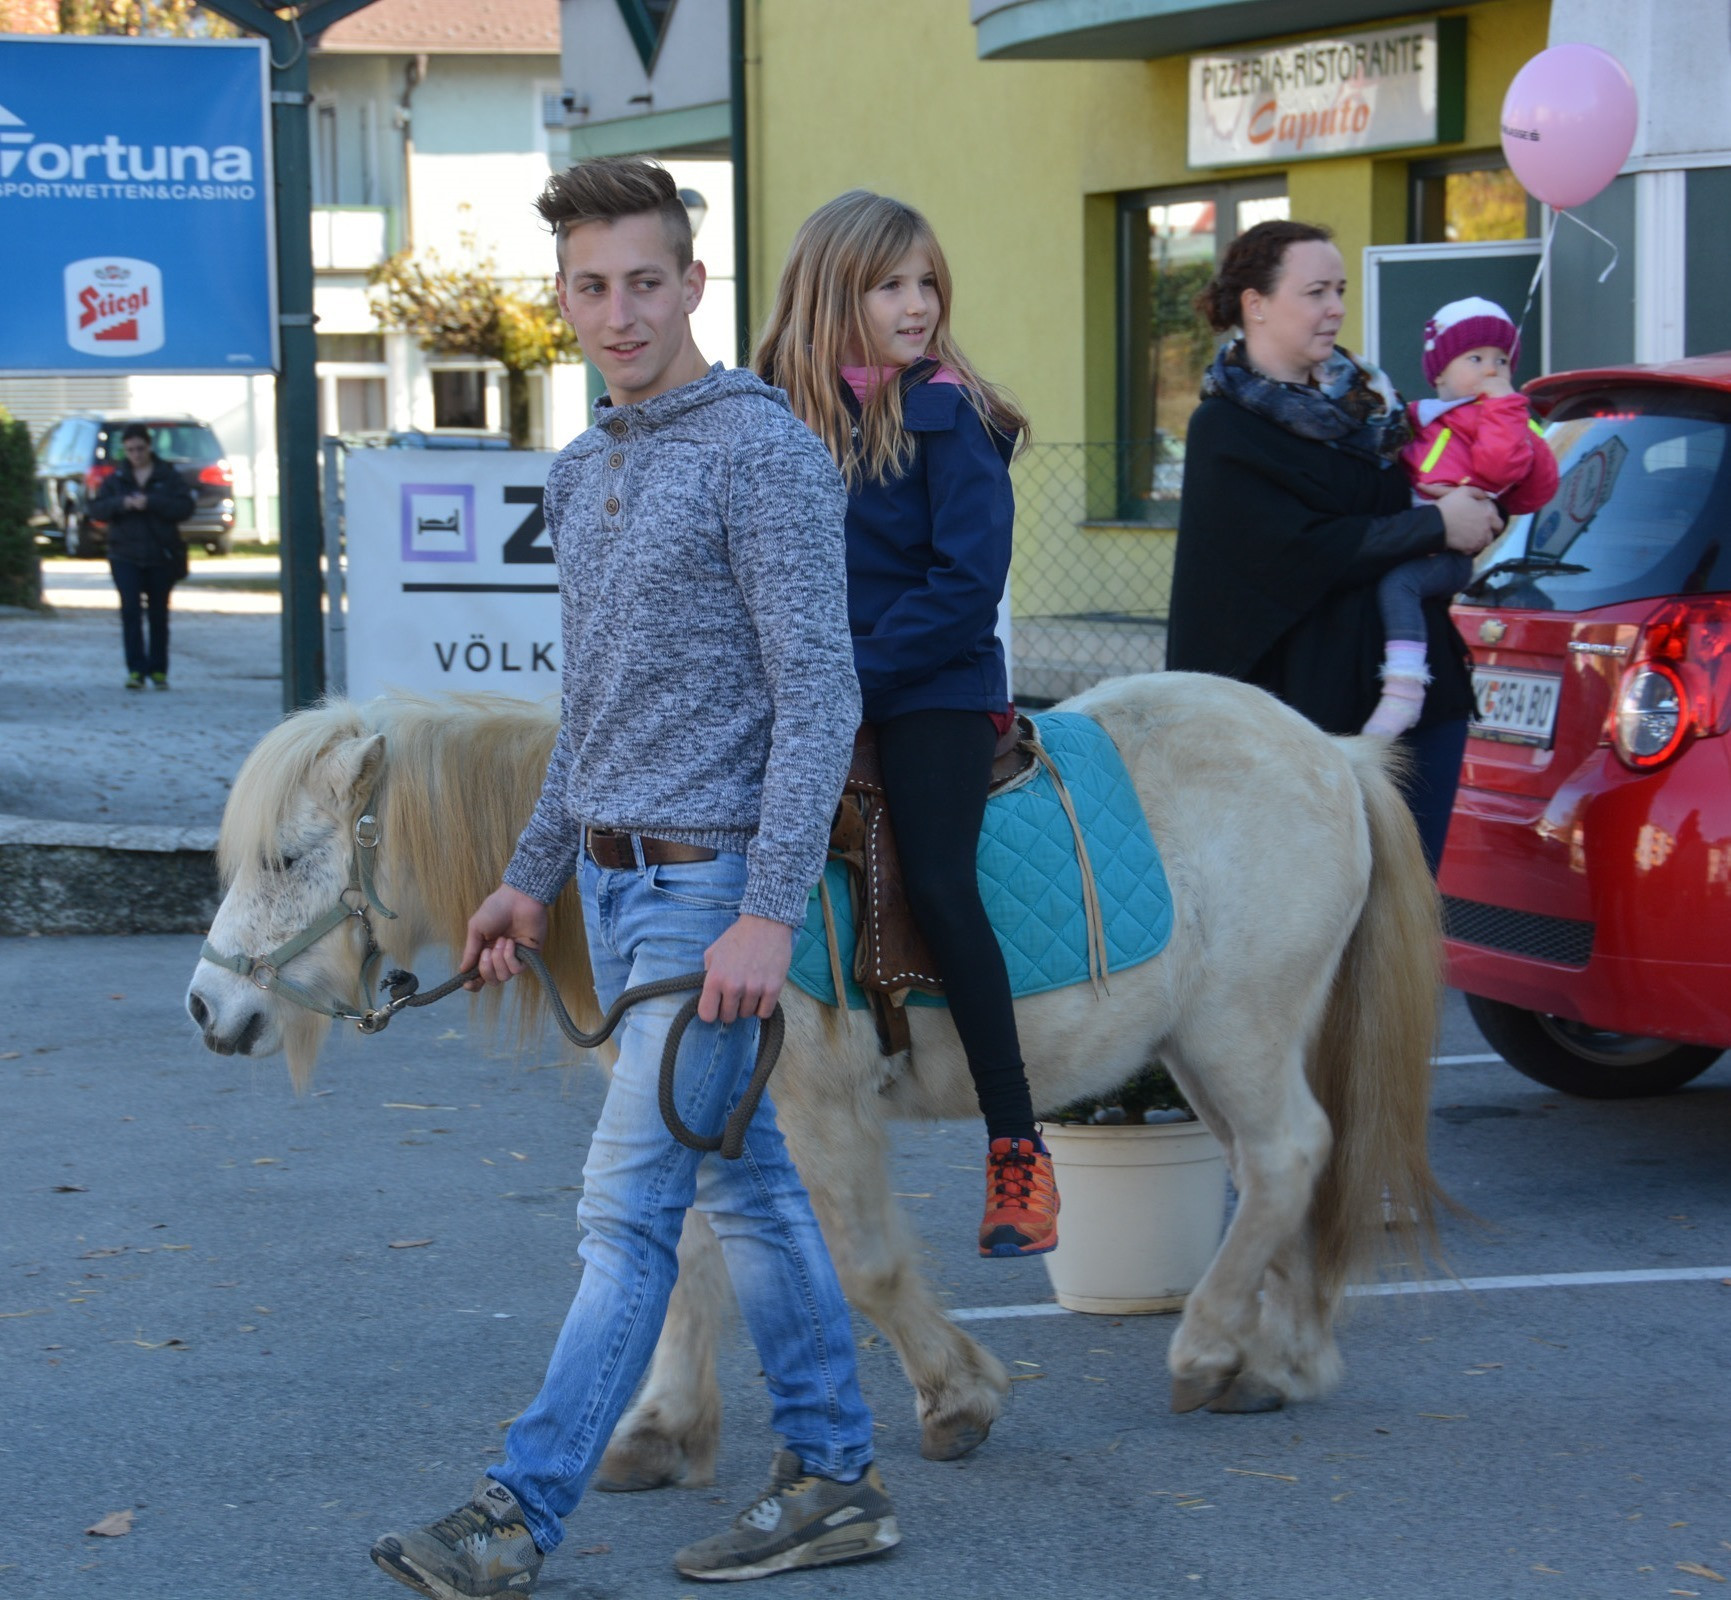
[(1143, 1208)]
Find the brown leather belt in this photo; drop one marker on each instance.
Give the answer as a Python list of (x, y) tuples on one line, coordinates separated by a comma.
[(614, 852)]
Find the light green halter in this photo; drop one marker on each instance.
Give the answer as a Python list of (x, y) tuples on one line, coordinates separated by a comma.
[(266, 971)]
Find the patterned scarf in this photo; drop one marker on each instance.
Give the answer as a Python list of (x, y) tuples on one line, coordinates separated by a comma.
[(1350, 406)]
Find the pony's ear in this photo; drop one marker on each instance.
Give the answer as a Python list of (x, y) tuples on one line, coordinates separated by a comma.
[(351, 768)]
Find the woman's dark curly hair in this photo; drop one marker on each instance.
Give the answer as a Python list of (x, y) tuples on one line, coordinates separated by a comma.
[(1252, 261)]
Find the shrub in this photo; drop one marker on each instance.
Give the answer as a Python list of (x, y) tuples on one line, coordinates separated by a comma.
[(1150, 1096), (20, 566)]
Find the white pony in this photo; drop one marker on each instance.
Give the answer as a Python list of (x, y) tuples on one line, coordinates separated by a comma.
[(1296, 1005)]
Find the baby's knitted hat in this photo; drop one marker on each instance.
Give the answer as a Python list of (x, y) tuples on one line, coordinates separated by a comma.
[(1463, 325)]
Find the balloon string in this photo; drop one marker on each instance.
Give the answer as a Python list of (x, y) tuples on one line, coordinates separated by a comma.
[(1538, 271), (1545, 256), (1599, 236)]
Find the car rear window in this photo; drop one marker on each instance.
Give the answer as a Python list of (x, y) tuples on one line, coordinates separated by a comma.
[(1640, 511), (183, 443)]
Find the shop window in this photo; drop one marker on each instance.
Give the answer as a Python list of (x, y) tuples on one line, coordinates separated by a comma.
[(1469, 201), (1170, 243), (460, 398)]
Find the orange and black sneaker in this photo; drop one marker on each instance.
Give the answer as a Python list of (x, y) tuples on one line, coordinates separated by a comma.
[(1021, 1200)]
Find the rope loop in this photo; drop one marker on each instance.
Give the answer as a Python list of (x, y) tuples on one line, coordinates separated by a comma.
[(404, 990)]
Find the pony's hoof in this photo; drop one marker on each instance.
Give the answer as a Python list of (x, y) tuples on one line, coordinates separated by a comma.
[(950, 1441), (632, 1465), (1245, 1395), (1192, 1394)]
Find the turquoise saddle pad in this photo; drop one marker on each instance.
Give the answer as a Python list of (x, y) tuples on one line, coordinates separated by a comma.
[(1030, 880)]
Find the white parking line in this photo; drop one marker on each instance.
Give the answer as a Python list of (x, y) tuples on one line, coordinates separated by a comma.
[(1536, 1280)]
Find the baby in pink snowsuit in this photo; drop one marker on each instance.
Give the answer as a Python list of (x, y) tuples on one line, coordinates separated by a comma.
[(1478, 432)]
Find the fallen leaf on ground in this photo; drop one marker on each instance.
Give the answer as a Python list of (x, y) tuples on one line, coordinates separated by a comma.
[(10, 1055), (1026, 1377), (78, 1188), (112, 1526), (1552, 1570), (596, 1550), (1696, 1570), (107, 1250), (413, 1105), (900, 1195), (36, 1311), (166, 1344), (409, 1244), (1245, 1472), (266, 1161), (1444, 1416), (517, 1155)]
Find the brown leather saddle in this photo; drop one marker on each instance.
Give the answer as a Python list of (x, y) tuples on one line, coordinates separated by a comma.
[(890, 956)]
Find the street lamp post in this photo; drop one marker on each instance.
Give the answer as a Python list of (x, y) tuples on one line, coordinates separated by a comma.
[(297, 410)]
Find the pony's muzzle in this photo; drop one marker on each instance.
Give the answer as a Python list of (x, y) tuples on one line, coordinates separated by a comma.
[(221, 1041)]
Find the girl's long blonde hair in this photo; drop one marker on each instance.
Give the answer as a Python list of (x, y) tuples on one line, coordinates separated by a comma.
[(841, 251)]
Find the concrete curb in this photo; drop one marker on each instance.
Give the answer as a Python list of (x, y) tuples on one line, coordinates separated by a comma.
[(79, 877)]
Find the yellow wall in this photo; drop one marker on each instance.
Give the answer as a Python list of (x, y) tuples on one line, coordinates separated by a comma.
[(1014, 163)]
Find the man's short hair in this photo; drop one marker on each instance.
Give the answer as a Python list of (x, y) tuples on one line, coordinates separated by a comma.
[(609, 188), (135, 430)]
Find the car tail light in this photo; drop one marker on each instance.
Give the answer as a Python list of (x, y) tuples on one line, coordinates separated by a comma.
[(1677, 686), (217, 473), (98, 475)]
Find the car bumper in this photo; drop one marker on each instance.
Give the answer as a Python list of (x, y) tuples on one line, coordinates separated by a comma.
[(1608, 903)]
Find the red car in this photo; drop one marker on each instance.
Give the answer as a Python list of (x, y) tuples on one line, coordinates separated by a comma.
[(1587, 880)]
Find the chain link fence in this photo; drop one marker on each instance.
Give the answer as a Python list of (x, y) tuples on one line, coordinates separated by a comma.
[(1091, 578)]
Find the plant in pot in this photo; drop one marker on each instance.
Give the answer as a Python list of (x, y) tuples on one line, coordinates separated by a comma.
[(1143, 1188)]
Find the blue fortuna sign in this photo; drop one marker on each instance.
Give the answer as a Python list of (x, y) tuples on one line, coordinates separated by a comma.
[(135, 202)]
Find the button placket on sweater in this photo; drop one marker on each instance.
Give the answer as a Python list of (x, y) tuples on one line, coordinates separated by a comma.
[(613, 479)]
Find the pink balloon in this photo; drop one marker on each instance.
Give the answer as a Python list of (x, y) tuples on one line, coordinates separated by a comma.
[(1569, 123)]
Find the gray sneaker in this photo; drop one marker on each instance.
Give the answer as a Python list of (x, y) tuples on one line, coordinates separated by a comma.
[(482, 1548), (799, 1521)]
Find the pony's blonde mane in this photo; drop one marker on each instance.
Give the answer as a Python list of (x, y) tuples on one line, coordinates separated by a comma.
[(459, 779)]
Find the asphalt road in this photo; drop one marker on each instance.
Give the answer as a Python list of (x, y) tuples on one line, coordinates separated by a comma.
[(203, 1321)]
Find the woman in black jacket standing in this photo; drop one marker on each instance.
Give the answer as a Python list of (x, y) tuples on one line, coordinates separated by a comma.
[(1295, 504), (144, 502)]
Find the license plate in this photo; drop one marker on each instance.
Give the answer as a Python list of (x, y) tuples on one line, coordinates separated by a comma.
[(1516, 707)]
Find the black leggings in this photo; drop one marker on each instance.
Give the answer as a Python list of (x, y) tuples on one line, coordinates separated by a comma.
[(936, 766)]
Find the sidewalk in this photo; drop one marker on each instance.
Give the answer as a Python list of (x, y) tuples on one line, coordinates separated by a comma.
[(110, 798), (75, 746)]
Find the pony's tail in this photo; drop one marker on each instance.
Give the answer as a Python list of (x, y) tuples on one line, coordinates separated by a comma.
[(1372, 1065)]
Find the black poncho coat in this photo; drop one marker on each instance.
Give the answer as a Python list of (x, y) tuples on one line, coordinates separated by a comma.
[(1281, 541)]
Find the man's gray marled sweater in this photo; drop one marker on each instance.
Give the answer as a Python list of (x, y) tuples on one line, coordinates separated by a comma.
[(709, 689)]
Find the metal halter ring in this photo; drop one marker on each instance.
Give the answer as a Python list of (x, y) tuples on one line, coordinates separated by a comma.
[(367, 831), (264, 975)]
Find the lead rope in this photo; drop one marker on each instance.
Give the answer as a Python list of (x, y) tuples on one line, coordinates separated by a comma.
[(406, 994)]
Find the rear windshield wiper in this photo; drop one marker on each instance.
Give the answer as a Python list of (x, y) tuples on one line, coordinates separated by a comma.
[(1523, 564)]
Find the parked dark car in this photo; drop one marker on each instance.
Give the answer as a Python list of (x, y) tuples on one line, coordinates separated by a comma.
[(1587, 880), (78, 452)]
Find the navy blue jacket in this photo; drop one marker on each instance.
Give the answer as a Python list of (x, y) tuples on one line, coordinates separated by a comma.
[(927, 557)]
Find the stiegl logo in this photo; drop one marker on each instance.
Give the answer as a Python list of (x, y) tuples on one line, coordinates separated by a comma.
[(111, 161), (114, 306)]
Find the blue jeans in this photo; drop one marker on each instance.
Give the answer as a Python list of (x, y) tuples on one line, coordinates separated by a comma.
[(647, 923), (1431, 784), (143, 590)]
